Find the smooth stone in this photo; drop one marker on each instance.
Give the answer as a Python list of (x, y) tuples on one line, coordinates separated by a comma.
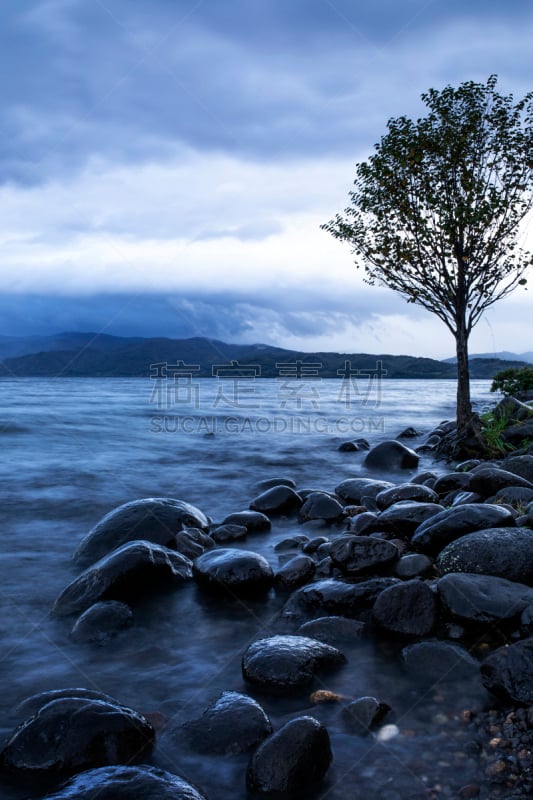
[(320, 505), (228, 533), (72, 734), (405, 516), (503, 552), (291, 543), (489, 481), (277, 500), (234, 723), (452, 523), (193, 542), (408, 609), (239, 572), (253, 521), (391, 455), (312, 545), (516, 434), (281, 664), (466, 466), (294, 759), (31, 705), (520, 465), (508, 672), (435, 661), (127, 783), (512, 410), (294, 573), (513, 495), (269, 483), (366, 523), (154, 519), (335, 597), (353, 489), (451, 481), (413, 565), (101, 622), (408, 433), (355, 555), (465, 498), (349, 447), (125, 574), (406, 491), (424, 478), (363, 714), (332, 630), (482, 599)]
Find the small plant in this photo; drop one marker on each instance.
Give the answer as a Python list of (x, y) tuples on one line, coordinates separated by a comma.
[(513, 381), (493, 427)]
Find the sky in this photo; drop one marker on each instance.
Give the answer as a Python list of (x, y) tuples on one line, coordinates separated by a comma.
[(165, 165)]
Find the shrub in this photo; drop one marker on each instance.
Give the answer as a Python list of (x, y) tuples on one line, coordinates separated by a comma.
[(512, 381)]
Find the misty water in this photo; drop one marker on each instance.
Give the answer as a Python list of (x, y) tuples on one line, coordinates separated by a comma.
[(73, 449)]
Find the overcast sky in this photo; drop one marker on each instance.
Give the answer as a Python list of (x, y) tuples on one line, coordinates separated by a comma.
[(165, 165)]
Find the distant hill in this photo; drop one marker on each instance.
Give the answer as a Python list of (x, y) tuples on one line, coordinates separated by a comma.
[(98, 355), (504, 355)]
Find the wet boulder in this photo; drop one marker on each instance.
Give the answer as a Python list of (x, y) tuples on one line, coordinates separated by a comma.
[(269, 483), (482, 599), (405, 516), (126, 574), (101, 622), (391, 455), (366, 523), (294, 573), (72, 734), (154, 519), (320, 505), (413, 565), (406, 491), (490, 480), (435, 661), (356, 555), (335, 597), (228, 533), (516, 496), (408, 433), (520, 465), (31, 705), (292, 761), (253, 521), (452, 481), (335, 631), (363, 714), (281, 664), (235, 723), (521, 432), (192, 542), (452, 523), (277, 500), (508, 672), (235, 572), (503, 552), (408, 609), (127, 783), (353, 490)]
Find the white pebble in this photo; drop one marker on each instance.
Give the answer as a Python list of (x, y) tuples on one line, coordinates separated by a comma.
[(387, 732)]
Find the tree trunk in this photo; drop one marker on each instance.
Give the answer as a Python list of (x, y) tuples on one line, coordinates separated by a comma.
[(464, 405)]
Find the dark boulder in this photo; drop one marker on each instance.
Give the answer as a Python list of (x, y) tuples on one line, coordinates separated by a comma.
[(101, 622), (192, 542), (154, 519), (511, 410), (482, 599), (313, 545), (349, 447), (413, 565), (353, 489), (391, 455), (30, 705), (408, 609), (452, 523), (431, 662), (228, 533), (489, 481), (408, 433), (292, 761), (320, 505), (291, 543), (269, 483), (508, 672), (503, 552), (294, 573), (253, 521), (451, 481), (406, 491), (235, 572), (366, 523), (127, 783), (335, 631), (521, 432), (404, 517), (355, 555), (126, 574), (517, 496), (363, 714), (426, 478), (235, 723), (277, 500), (335, 597), (281, 664), (72, 734), (465, 498), (520, 465)]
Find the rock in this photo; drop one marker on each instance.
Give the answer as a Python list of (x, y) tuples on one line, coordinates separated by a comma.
[(233, 724), (237, 572), (277, 500), (291, 761), (491, 480), (366, 523), (353, 489), (408, 433), (408, 609), (269, 483), (31, 705), (281, 664), (253, 521), (349, 447), (193, 542), (228, 533), (513, 495), (335, 597), (363, 714), (355, 555), (517, 434), (508, 672), (452, 523), (332, 630), (466, 466), (432, 662), (125, 574), (482, 599), (127, 783), (511, 410), (154, 519), (291, 543), (405, 517), (391, 455), (426, 478), (294, 573), (101, 622), (519, 465), (320, 505), (413, 565), (503, 552), (72, 734), (465, 498), (406, 491), (312, 545), (451, 481)]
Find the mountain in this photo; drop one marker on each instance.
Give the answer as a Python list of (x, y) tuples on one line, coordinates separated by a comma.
[(504, 355), (99, 355)]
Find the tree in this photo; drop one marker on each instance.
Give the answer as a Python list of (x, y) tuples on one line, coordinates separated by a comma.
[(437, 209)]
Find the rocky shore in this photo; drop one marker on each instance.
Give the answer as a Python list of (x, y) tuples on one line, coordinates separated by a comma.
[(436, 570)]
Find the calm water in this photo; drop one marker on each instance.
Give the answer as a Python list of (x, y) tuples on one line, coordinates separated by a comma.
[(73, 449)]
